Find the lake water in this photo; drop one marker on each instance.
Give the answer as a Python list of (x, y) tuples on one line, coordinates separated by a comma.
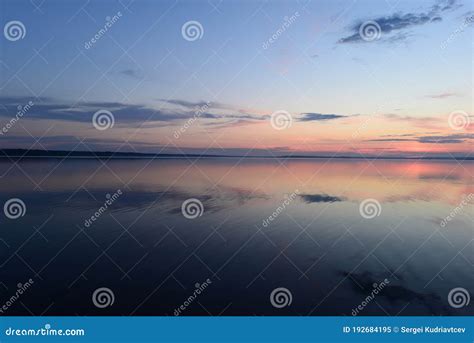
[(265, 224)]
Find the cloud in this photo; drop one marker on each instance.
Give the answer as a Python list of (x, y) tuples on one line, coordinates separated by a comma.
[(187, 104), (241, 116), (392, 140), (200, 104), (126, 115), (423, 122), (217, 115), (234, 123), (316, 198), (442, 95), (133, 73), (440, 139), (134, 115), (319, 117), (226, 111), (448, 139), (398, 23), (214, 105)]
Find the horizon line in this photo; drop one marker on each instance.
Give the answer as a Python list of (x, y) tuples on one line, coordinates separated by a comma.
[(71, 154)]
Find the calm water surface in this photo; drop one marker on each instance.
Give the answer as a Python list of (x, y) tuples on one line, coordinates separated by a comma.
[(318, 246)]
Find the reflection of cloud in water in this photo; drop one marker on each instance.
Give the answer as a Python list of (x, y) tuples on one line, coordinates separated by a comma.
[(220, 198), (362, 283), (419, 195), (239, 195), (316, 198), (168, 200), (440, 177)]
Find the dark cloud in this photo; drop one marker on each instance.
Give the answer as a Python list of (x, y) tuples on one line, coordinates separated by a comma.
[(187, 104), (319, 116), (125, 115), (316, 198), (136, 115), (446, 139), (468, 18), (393, 27), (445, 5)]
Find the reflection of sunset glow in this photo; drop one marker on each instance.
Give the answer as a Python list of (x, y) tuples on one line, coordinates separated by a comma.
[(386, 180)]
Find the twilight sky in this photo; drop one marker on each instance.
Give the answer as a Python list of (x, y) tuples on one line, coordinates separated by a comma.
[(259, 78)]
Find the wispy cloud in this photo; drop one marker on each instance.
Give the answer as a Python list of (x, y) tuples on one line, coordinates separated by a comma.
[(319, 117), (133, 73), (187, 104), (442, 95), (424, 122), (394, 27), (133, 115), (126, 115), (438, 139)]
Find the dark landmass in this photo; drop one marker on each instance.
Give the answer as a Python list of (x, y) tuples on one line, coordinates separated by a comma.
[(15, 154)]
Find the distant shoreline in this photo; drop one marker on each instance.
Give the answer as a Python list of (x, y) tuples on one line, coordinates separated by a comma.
[(52, 154)]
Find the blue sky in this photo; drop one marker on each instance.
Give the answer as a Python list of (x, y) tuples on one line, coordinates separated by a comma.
[(142, 71)]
